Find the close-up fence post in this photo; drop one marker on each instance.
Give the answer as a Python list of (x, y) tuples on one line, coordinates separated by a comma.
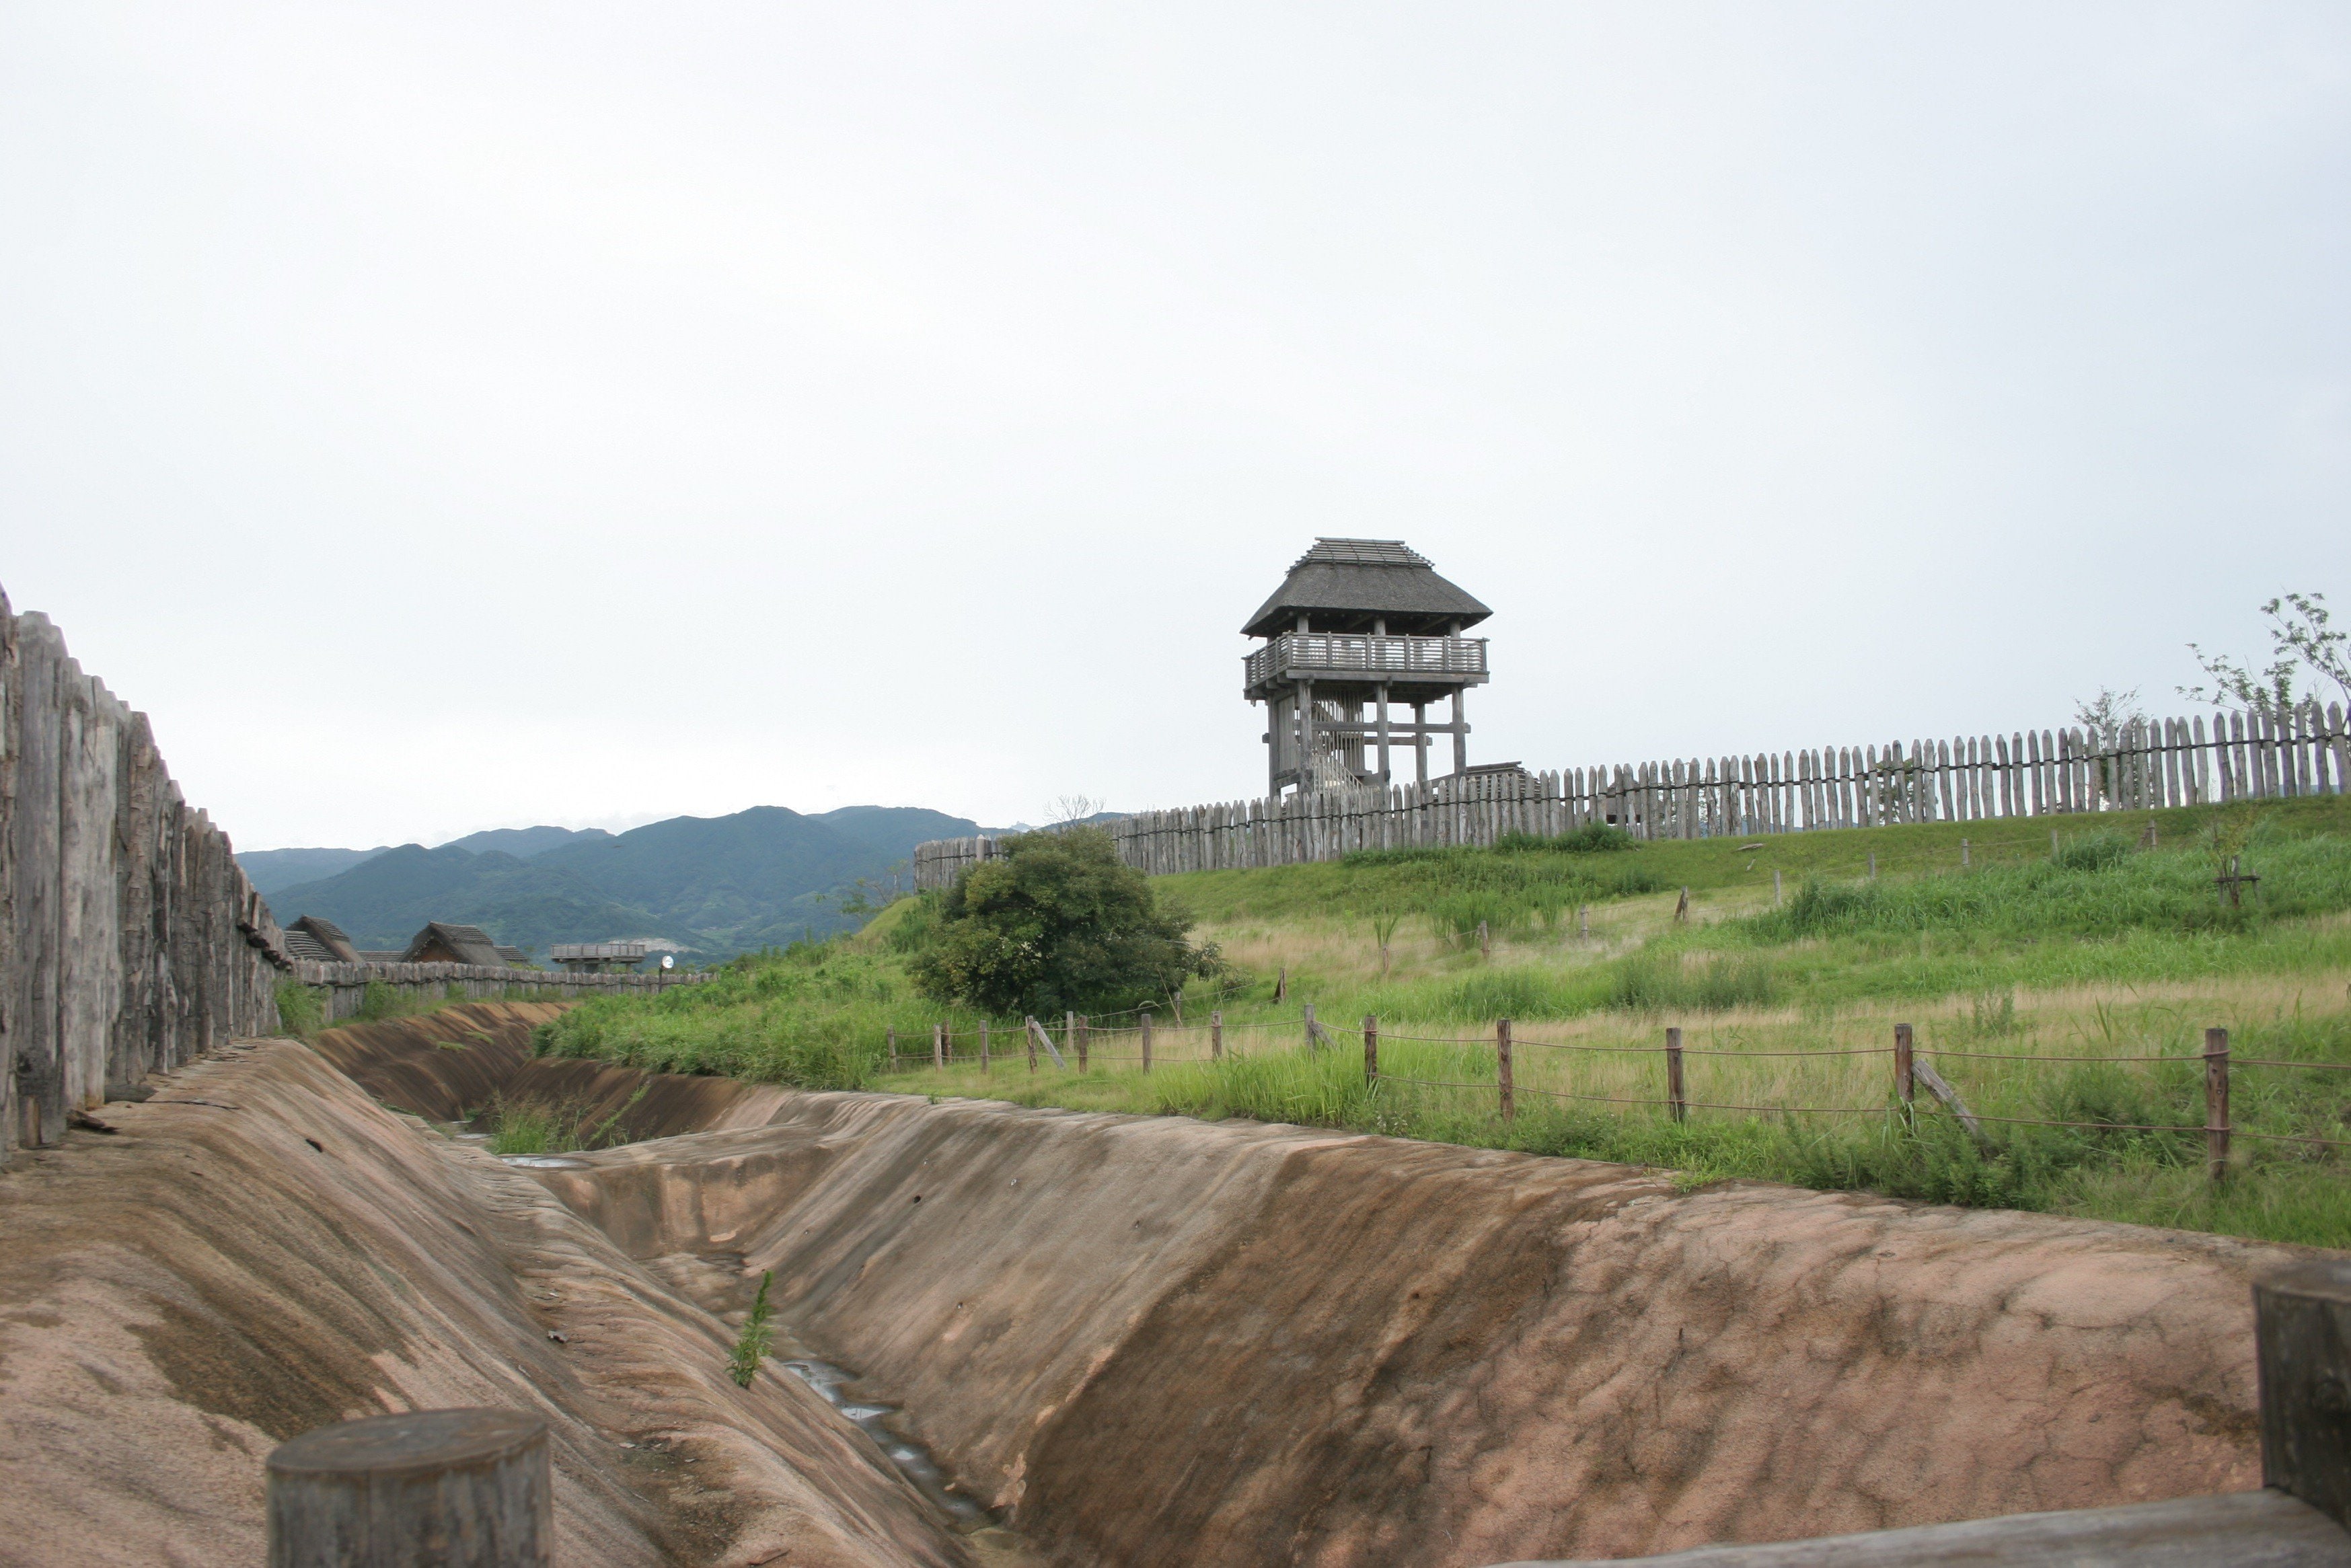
[(1371, 1049), (1502, 1069), (2216, 1103), (983, 1048), (1675, 1097), (893, 1048), (1085, 1039), (1307, 1013), (2301, 1347), (1216, 1035), (1070, 1037), (939, 1047), (1146, 1040), (1905, 1082), (465, 1489), (1029, 1031)]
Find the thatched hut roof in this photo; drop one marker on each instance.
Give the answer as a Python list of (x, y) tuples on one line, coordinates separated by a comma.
[(1346, 585)]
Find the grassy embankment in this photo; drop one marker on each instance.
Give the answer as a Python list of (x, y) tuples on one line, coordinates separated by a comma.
[(2105, 951)]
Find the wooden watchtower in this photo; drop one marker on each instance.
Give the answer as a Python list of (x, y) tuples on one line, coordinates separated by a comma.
[(1361, 624)]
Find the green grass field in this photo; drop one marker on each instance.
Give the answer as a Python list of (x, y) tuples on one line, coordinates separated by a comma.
[(2103, 950)]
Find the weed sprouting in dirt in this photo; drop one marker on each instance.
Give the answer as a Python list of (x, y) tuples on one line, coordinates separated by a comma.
[(751, 1345)]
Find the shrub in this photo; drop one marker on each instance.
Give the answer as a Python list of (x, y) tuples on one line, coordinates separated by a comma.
[(1058, 923), (299, 1011)]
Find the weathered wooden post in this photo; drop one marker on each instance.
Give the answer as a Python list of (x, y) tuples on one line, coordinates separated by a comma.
[(983, 1048), (2216, 1103), (1086, 1028), (1905, 1083), (2302, 1332), (1674, 1096), (938, 1048), (893, 1048), (1584, 923), (1502, 1069), (1371, 1050), (1216, 1035), (1964, 847), (1070, 1037), (1681, 908), (2053, 843), (1281, 984), (1873, 865), (1146, 1040), (1028, 1029), (457, 1489), (1485, 942)]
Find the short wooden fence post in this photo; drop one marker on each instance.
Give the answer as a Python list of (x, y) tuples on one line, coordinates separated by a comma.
[(1502, 1069), (467, 1489), (1371, 1049), (1216, 1035), (1086, 1028), (1963, 853), (893, 1051), (983, 1048), (1308, 1011), (1905, 1082), (1070, 1037), (1146, 1041), (2302, 1335), (939, 1047), (2216, 1103), (1028, 1028), (1675, 1098)]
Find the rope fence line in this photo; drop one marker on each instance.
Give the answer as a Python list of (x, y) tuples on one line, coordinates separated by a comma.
[(1079, 1034)]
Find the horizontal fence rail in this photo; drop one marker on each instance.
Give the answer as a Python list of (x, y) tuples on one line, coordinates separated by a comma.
[(2149, 763)]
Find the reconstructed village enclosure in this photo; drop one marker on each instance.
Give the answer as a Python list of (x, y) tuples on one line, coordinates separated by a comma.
[(1126, 1340)]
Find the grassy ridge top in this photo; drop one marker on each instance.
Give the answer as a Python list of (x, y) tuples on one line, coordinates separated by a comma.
[(2105, 950)]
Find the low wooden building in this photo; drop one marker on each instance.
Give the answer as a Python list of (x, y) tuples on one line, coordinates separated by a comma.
[(442, 942), (597, 958), (322, 941)]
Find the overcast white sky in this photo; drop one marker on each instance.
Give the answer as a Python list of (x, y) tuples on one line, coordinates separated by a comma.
[(450, 416)]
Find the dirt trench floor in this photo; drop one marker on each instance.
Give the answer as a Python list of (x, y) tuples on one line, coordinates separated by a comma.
[(1152, 1341)]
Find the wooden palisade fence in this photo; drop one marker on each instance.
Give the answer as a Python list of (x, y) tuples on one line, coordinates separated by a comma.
[(130, 939), (2152, 763)]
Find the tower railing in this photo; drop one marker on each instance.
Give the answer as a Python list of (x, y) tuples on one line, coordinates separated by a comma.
[(1343, 654)]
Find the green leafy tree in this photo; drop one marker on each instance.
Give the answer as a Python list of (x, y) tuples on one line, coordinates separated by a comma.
[(1056, 923)]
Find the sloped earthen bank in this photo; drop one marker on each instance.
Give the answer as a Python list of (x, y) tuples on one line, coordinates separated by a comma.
[(1160, 1340), (259, 1249)]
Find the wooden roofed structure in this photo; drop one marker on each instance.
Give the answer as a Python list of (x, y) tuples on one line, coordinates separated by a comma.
[(1358, 627)]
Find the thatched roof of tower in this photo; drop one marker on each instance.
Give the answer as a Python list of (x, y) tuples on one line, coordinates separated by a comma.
[(1345, 585)]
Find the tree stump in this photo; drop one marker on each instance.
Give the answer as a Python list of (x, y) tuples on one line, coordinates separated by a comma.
[(432, 1489)]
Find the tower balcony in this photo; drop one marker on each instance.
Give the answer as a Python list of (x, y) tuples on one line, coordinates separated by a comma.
[(1433, 663)]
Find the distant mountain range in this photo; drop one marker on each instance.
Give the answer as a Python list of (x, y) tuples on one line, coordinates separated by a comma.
[(712, 886)]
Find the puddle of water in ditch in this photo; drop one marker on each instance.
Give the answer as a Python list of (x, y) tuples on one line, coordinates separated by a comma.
[(913, 1459)]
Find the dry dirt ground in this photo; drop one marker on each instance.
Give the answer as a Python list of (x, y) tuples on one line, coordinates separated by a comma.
[(1156, 1341)]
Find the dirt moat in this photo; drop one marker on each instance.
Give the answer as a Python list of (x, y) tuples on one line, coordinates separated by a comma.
[(1124, 1340)]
